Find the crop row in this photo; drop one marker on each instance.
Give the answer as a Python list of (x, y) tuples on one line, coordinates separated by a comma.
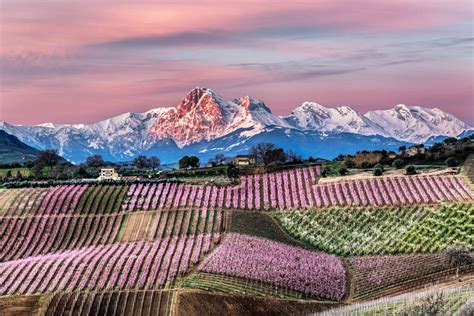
[(451, 301), (254, 192), (292, 189), (137, 265), (111, 303), (54, 200), (382, 230), (372, 273), (279, 265), (186, 222), (392, 191), (101, 199), (234, 285), (295, 189), (22, 237), (21, 201), (62, 199)]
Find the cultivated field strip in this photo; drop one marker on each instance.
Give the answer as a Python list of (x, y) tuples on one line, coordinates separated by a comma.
[(284, 190), (378, 273), (160, 224), (27, 236), (135, 265), (61, 199), (454, 300), (235, 285), (278, 265), (126, 303), (254, 192), (384, 229), (297, 189), (102, 199), (21, 201), (395, 191)]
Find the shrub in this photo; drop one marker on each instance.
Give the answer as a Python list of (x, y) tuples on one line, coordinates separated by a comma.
[(343, 171), (380, 166), (410, 170), (377, 172), (325, 172), (365, 164), (232, 172), (451, 162), (349, 163), (398, 163)]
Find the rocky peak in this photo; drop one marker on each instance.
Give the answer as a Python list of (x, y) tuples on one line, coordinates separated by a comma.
[(251, 104), (402, 111)]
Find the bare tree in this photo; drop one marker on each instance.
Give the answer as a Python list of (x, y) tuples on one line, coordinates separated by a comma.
[(94, 161), (268, 153), (154, 162), (48, 157), (140, 162)]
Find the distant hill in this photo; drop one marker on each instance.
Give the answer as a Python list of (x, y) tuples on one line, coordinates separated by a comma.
[(13, 150)]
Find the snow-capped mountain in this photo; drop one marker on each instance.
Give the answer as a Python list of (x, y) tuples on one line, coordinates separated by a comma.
[(204, 115), (416, 124), (204, 123), (315, 117)]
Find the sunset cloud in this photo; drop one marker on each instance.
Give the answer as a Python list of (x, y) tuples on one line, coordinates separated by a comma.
[(81, 61)]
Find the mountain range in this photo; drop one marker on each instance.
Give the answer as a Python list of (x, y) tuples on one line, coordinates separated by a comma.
[(205, 124)]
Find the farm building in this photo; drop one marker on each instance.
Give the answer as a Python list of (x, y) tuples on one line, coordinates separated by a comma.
[(108, 174), (245, 160)]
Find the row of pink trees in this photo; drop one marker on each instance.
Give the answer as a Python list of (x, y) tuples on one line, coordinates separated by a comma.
[(279, 265), (59, 199), (296, 189), (286, 189), (139, 265), (35, 235), (392, 191)]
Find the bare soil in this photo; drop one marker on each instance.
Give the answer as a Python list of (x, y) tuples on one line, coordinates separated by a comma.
[(137, 226), (23, 305)]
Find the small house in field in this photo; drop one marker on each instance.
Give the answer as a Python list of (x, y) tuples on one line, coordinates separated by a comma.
[(245, 160), (108, 174)]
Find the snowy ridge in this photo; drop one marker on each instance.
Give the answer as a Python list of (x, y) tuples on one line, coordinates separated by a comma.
[(416, 124), (203, 117), (313, 116)]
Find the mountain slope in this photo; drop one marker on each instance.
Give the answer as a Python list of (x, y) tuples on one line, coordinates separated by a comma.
[(13, 150)]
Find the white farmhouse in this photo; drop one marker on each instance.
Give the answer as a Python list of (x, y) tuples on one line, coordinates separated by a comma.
[(108, 174)]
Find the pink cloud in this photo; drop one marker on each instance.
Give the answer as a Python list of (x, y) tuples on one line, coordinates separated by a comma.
[(58, 26), (59, 62)]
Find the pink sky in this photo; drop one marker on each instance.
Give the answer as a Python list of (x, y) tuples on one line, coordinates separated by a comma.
[(83, 61)]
